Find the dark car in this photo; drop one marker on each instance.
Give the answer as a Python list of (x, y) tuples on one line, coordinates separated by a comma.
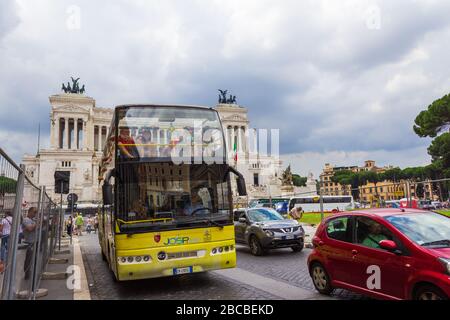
[(383, 253), (264, 228)]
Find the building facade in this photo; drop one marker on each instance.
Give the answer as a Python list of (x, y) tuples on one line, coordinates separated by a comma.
[(370, 192), (78, 130)]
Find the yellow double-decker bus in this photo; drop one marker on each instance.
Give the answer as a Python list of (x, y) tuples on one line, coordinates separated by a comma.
[(167, 200)]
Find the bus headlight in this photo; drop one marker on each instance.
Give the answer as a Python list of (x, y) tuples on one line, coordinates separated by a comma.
[(133, 259)]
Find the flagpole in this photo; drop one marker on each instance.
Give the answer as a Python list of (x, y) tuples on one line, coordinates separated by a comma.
[(39, 138)]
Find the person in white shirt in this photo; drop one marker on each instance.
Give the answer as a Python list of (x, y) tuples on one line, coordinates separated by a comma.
[(5, 227)]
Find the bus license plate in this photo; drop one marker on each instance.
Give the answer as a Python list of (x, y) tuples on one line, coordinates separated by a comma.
[(182, 270)]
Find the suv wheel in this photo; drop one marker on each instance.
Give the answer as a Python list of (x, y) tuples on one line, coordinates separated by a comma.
[(255, 246), (429, 292), (320, 279)]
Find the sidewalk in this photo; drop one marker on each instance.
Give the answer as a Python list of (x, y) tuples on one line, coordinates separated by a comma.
[(57, 287), (62, 272)]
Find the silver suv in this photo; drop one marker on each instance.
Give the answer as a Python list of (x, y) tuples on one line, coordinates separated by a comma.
[(264, 228)]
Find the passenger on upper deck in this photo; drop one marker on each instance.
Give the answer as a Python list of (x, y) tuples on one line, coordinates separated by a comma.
[(147, 147), (126, 144)]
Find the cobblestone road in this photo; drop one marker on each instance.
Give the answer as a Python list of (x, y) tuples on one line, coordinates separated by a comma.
[(281, 265)]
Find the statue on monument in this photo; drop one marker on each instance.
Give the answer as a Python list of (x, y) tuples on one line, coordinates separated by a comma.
[(74, 88), (286, 178), (223, 97)]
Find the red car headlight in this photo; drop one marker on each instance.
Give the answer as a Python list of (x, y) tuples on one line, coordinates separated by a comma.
[(446, 264)]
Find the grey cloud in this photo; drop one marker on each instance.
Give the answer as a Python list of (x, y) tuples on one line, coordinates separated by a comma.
[(311, 69)]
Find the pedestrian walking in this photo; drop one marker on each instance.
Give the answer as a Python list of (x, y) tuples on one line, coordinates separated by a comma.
[(5, 231), (296, 213), (79, 222), (29, 233), (69, 226), (89, 224), (95, 223)]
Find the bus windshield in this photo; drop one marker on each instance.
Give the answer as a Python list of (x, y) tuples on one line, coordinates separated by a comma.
[(149, 133), (166, 196)]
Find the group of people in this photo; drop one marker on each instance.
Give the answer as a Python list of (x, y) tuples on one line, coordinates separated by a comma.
[(75, 224), (144, 145)]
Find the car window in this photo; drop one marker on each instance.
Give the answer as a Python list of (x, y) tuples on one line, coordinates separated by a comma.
[(340, 229), (369, 232)]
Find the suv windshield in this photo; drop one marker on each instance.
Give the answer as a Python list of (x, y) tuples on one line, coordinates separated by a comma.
[(168, 196), (427, 229), (260, 215)]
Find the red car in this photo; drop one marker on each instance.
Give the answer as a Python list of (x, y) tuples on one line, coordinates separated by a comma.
[(383, 253)]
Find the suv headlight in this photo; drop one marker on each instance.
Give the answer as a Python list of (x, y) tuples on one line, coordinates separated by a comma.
[(269, 233), (446, 263)]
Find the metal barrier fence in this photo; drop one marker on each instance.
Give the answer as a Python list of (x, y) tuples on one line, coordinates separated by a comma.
[(30, 228)]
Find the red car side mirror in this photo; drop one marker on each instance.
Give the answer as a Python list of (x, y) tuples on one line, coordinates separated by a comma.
[(388, 245)]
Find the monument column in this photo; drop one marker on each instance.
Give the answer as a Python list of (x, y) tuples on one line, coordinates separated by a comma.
[(66, 133), (75, 133), (240, 140), (100, 138), (236, 137), (81, 134), (244, 141), (229, 138), (56, 137), (232, 141)]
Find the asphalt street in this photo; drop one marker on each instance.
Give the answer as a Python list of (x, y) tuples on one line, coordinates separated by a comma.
[(282, 274)]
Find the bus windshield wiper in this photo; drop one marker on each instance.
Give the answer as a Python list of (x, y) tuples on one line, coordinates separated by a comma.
[(437, 243), (213, 222), (204, 220)]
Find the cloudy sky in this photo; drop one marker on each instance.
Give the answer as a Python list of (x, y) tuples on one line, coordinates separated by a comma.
[(342, 80)]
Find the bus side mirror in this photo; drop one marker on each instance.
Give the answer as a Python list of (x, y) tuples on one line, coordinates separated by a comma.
[(240, 181), (241, 187), (107, 191)]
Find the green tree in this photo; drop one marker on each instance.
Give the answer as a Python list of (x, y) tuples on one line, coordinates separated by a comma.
[(299, 181), (7, 185), (431, 123), (348, 178), (439, 150)]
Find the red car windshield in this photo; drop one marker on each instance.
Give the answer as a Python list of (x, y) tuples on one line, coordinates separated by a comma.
[(425, 229)]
